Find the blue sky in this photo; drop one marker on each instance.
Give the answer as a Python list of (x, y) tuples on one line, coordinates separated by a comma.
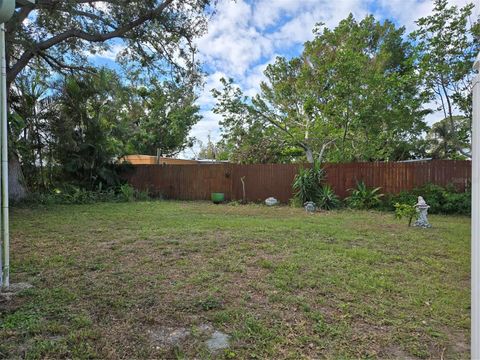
[(244, 36)]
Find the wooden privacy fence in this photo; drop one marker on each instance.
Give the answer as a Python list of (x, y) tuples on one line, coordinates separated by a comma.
[(198, 181)]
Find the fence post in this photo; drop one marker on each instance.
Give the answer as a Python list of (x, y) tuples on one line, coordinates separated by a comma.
[(475, 245)]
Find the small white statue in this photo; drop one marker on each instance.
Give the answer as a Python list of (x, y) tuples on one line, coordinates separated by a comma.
[(422, 209), (310, 207)]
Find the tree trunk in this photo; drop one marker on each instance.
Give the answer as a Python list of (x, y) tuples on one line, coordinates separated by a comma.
[(16, 181), (309, 154)]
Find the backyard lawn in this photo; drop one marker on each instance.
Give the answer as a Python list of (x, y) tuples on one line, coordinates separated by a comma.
[(156, 279)]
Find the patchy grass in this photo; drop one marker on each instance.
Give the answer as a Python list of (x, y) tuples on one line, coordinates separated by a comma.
[(282, 283)]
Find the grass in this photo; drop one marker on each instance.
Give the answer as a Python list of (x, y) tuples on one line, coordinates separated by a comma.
[(284, 284)]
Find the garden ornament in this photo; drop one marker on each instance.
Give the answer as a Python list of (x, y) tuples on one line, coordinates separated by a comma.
[(310, 206), (271, 201), (422, 210)]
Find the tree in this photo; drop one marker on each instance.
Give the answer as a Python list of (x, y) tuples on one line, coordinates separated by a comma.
[(87, 131), (246, 137), (443, 143), (448, 43), (74, 129), (60, 34), (353, 92), (164, 117), (30, 128), (369, 91), (211, 150)]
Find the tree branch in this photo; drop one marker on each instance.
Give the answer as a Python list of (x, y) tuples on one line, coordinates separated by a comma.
[(75, 33)]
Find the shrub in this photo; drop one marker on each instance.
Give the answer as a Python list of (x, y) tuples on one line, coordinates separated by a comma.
[(307, 183), (127, 192), (327, 199), (442, 200), (142, 195), (405, 210), (363, 197), (457, 203), (74, 195), (295, 202)]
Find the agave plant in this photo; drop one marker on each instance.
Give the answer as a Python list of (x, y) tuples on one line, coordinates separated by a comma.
[(307, 183), (327, 199), (363, 197)]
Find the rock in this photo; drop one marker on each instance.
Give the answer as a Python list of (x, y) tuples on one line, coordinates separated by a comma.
[(218, 341), (310, 206), (168, 337), (271, 201)]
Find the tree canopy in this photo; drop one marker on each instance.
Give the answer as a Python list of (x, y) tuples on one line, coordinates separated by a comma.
[(353, 94), (60, 34), (448, 42), (71, 121)]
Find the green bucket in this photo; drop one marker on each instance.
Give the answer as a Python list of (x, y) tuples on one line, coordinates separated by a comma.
[(218, 198)]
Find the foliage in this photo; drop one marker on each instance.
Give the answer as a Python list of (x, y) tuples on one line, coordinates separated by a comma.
[(327, 199), (86, 128), (126, 192), (164, 115), (295, 202), (363, 197), (211, 150), (447, 43), (30, 138), (442, 200), (405, 211), (443, 143), (307, 183), (76, 131), (353, 94), (60, 35), (72, 130), (245, 139), (71, 194)]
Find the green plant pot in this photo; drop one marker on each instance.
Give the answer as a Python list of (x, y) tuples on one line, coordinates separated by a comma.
[(218, 198)]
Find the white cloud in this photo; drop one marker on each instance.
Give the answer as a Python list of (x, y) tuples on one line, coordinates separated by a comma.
[(112, 52), (406, 12), (244, 37)]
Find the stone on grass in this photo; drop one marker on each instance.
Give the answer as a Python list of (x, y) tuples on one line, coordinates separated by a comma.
[(271, 201), (169, 337), (218, 341)]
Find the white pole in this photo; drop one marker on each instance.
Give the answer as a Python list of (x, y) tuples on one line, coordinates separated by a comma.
[(4, 129), (475, 299)]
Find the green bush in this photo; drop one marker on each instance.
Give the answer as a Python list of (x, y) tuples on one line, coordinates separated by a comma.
[(405, 210), (442, 200), (363, 197), (308, 187), (127, 192), (295, 202), (70, 194), (307, 183), (327, 199), (142, 195)]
